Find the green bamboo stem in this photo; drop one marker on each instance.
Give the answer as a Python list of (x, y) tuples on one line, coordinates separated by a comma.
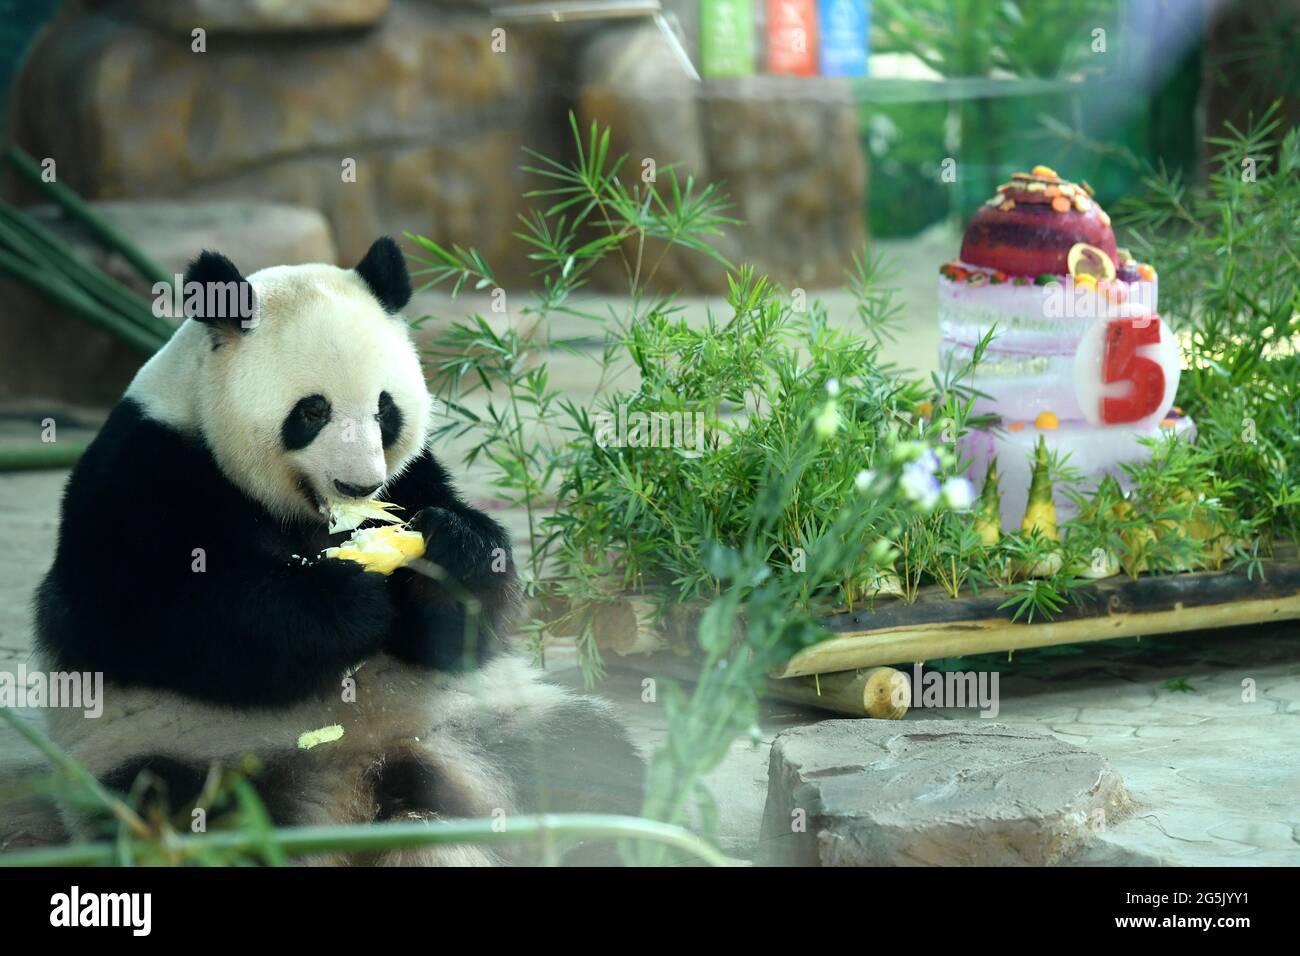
[(74, 771), (79, 209), (378, 837), (21, 250), (64, 271), (76, 301), (39, 457), (25, 231)]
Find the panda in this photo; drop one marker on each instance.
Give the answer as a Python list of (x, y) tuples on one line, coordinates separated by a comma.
[(189, 573)]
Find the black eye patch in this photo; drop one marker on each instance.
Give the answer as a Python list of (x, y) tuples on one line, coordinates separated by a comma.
[(303, 424), (390, 419)]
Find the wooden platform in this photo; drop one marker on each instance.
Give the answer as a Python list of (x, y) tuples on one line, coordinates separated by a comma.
[(936, 625), (841, 673)]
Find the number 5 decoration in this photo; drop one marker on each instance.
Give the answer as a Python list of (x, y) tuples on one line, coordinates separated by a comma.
[(1126, 370)]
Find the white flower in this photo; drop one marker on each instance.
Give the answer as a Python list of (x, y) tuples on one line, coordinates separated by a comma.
[(864, 479), (919, 485), (832, 387), (958, 494), (928, 460)]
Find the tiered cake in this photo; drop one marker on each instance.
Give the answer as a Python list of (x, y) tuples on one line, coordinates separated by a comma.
[(1079, 355)]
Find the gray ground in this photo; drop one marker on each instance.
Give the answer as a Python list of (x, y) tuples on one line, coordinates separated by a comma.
[(1215, 769)]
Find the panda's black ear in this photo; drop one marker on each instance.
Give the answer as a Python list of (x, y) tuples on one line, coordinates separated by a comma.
[(384, 270), (216, 294)]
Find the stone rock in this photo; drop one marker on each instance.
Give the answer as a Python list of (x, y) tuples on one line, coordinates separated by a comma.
[(796, 167), (631, 72), (632, 83), (172, 232), (456, 192), (254, 16), (932, 792), (431, 119), (46, 352), (486, 4)]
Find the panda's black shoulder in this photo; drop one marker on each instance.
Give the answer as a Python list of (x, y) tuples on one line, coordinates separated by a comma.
[(139, 475), (139, 502), (423, 481)]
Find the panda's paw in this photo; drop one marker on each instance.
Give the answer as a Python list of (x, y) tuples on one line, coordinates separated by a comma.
[(345, 586), (452, 543)]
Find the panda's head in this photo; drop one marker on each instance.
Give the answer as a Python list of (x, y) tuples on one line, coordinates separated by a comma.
[(309, 387)]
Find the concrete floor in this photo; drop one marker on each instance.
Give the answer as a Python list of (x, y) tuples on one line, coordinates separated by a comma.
[(1216, 775)]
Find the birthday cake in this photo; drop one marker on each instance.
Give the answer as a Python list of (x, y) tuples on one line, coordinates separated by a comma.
[(1079, 353)]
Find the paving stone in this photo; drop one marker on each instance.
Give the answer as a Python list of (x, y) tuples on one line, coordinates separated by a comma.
[(932, 792), (1156, 714), (1089, 731), (1254, 835)]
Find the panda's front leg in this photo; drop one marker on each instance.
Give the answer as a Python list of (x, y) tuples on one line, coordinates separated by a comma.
[(456, 604)]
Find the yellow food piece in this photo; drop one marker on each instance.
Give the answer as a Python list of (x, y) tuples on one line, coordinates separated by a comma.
[(347, 515), (1047, 421), (1041, 518), (1105, 565), (382, 550), (988, 519), (1133, 560), (1045, 567), (1089, 260), (314, 738), (1040, 514), (989, 530)]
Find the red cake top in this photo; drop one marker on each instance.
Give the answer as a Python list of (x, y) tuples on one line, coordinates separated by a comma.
[(1029, 227)]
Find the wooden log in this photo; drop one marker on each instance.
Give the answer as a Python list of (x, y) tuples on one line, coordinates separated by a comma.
[(624, 625), (880, 692)]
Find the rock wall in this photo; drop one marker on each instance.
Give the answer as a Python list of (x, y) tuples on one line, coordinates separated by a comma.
[(788, 152), (47, 354), (284, 96), (431, 119)]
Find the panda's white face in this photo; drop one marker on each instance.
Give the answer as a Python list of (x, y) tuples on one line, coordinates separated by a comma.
[(318, 395), (322, 398)]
